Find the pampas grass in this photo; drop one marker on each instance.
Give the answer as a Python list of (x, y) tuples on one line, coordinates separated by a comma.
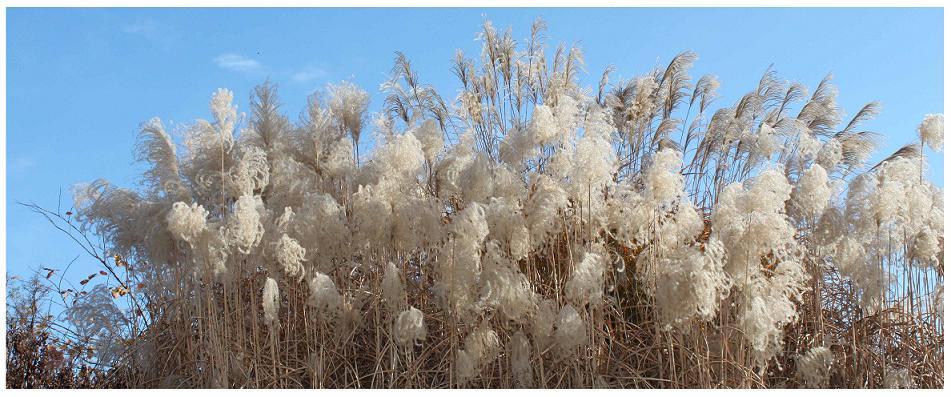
[(525, 234)]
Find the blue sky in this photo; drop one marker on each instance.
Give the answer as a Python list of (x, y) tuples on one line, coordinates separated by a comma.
[(80, 81)]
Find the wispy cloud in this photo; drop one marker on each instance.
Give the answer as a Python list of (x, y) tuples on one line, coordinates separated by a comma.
[(238, 63), (156, 33), (309, 74), (19, 166)]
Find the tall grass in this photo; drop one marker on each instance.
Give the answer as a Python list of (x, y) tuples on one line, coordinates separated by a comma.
[(528, 233)]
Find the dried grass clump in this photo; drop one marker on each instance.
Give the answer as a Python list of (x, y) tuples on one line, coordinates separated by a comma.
[(814, 367), (410, 327), (531, 233)]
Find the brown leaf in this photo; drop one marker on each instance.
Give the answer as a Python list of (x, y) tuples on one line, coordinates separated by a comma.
[(103, 272), (84, 282), (119, 291)]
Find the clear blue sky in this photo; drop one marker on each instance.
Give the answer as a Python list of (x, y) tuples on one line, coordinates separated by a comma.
[(79, 82)]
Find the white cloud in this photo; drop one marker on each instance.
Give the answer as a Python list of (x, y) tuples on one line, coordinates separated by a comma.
[(145, 27), (19, 166), (160, 35), (309, 74), (238, 63)]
